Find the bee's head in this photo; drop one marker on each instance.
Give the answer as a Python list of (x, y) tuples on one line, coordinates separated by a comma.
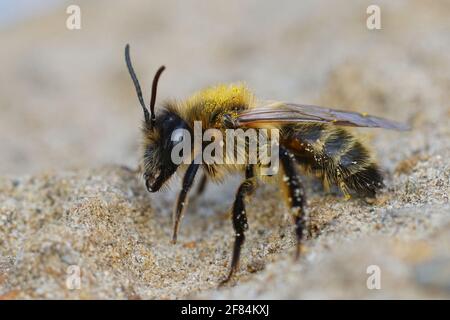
[(158, 141)]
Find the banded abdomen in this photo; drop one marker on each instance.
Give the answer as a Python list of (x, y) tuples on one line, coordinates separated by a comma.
[(335, 155)]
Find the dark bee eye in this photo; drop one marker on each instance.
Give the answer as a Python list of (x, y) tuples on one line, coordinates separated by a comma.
[(177, 136)]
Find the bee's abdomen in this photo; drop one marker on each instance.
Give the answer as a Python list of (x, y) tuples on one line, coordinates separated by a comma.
[(336, 155)]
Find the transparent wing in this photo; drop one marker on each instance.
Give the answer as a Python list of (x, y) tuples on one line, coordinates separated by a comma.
[(285, 112)]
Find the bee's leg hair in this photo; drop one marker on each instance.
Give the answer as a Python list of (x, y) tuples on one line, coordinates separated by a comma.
[(240, 218), (294, 194), (188, 180)]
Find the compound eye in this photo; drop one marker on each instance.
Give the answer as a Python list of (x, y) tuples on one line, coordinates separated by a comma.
[(177, 135)]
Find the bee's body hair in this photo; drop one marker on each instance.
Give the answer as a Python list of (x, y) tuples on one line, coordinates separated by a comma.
[(209, 107), (335, 155), (330, 152)]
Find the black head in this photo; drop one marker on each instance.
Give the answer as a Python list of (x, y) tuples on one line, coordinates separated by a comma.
[(157, 162), (158, 145)]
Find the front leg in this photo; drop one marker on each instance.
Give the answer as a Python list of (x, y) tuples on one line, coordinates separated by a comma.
[(240, 218), (201, 187), (294, 194), (188, 180)]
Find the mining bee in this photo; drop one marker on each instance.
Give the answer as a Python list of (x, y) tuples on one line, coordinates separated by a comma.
[(311, 138)]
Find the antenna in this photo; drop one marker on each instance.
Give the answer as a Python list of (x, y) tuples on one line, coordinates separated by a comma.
[(138, 87), (153, 97)]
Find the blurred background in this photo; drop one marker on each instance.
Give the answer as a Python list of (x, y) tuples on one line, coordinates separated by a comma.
[(66, 99)]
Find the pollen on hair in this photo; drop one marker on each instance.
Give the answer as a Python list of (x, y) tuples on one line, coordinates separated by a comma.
[(223, 95)]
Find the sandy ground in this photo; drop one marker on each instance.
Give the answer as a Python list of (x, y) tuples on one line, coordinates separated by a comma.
[(69, 131)]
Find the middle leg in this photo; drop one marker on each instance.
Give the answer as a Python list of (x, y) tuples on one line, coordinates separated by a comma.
[(294, 193), (240, 217)]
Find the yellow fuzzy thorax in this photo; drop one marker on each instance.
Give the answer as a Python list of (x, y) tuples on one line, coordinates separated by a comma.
[(223, 96)]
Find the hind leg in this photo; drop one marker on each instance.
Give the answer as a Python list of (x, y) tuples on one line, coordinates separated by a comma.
[(294, 194)]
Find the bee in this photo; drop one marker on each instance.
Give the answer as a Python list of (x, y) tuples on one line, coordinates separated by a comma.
[(311, 137)]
